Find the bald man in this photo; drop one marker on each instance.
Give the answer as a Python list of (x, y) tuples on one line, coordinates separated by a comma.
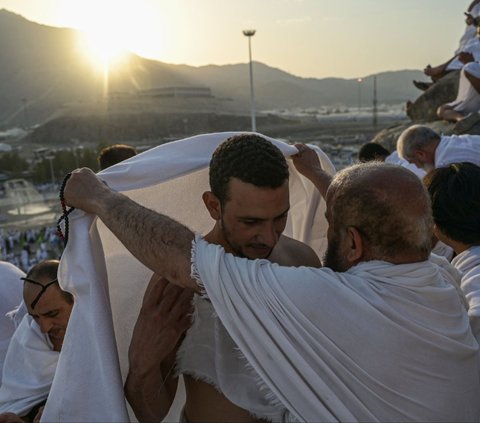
[(379, 335), (33, 352)]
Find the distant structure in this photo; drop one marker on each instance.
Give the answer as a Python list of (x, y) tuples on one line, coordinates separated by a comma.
[(177, 92), (249, 33), (375, 103)]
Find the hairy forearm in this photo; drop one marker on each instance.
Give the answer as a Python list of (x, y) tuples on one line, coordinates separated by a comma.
[(148, 397), (159, 242)]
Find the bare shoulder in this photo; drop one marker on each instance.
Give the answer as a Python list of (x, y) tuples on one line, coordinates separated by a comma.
[(290, 252)]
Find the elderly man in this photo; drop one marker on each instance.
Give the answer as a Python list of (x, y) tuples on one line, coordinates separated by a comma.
[(425, 148), (380, 335), (34, 349)]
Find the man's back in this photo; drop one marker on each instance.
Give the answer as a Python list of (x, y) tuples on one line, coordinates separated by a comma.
[(457, 149)]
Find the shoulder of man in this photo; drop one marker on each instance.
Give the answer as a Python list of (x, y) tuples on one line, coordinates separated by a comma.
[(291, 252)]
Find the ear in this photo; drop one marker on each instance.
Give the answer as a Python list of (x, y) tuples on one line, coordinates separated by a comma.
[(421, 154), (354, 246), (212, 203)]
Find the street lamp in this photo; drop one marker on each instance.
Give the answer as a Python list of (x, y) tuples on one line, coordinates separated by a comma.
[(359, 80), (250, 33)]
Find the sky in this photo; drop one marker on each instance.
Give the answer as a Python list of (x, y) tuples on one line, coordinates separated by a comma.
[(307, 38)]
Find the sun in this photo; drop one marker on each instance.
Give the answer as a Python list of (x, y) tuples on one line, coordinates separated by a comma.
[(103, 48), (105, 28), (111, 28)]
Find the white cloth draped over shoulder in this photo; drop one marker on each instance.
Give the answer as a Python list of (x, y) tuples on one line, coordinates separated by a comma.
[(108, 283), (29, 369), (381, 342), (11, 289), (394, 158), (468, 263), (458, 149)]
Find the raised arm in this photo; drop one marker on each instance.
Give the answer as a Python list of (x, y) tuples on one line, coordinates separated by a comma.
[(164, 317), (159, 242), (308, 164)]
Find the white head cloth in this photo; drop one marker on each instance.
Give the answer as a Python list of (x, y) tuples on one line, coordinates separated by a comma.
[(11, 288), (29, 369), (108, 283)]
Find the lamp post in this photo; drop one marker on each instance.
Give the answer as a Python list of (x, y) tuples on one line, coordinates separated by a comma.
[(359, 81), (250, 33)]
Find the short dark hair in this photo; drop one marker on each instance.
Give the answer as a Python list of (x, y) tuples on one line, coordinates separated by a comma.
[(372, 151), (249, 158), (48, 269), (114, 154), (455, 194)]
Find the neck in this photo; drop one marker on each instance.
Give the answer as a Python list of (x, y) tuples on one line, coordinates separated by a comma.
[(215, 236)]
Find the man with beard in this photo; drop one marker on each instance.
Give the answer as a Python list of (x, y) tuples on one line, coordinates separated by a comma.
[(249, 202), (381, 335), (425, 148), (33, 352)]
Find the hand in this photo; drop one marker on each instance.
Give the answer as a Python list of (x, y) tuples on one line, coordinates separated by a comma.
[(428, 69), (164, 317), (10, 418), (306, 161), (84, 189)]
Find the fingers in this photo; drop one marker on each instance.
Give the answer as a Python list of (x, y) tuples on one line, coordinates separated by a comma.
[(301, 148), (154, 290), (183, 306)]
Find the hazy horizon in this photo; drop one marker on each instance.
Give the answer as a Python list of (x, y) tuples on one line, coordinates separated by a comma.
[(307, 38)]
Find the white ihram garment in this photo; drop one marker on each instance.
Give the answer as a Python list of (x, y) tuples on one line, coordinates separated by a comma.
[(29, 369), (380, 342), (108, 283), (468, 99), (468, 263), (11, 289), (458, 149)]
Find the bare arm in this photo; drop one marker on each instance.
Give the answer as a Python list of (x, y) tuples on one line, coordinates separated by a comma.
[(164, 317), (308, 164), (159, 242)]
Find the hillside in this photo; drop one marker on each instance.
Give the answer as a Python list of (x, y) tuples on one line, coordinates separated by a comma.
[(43, 74)]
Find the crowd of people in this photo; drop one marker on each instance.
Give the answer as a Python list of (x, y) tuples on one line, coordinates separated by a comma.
[(378, 329)]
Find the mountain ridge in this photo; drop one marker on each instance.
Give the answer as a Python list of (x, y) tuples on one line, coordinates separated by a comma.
[(43, 71)]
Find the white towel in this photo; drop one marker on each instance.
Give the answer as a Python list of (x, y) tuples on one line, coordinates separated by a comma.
[(108, 283)]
